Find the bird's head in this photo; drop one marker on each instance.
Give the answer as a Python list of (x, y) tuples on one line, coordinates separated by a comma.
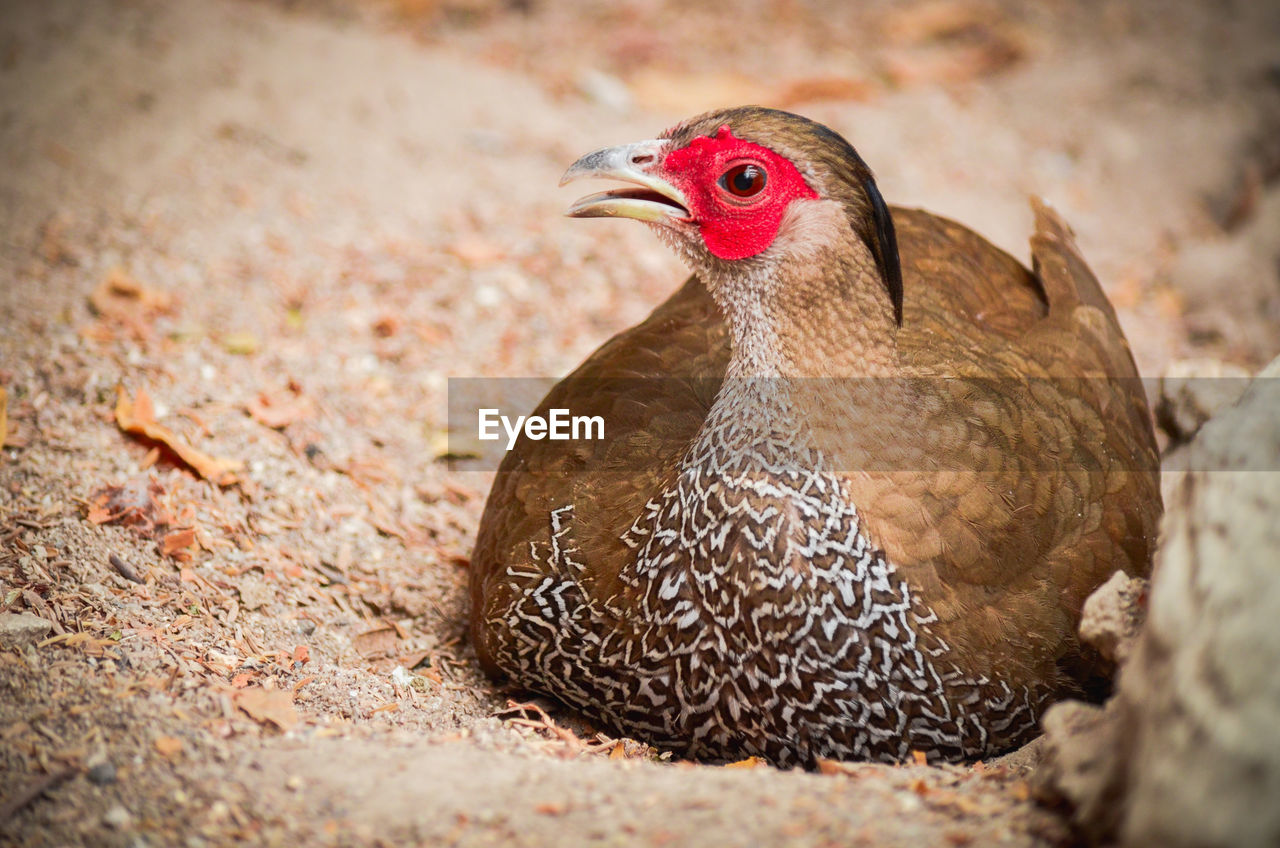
[(743, 189)]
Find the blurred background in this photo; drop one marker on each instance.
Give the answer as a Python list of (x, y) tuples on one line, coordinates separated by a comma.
[(441, 125)]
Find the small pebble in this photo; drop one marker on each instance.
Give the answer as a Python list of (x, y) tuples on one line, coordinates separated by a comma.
[(102, 774), (117, 817), (306, 626), (20, 629)]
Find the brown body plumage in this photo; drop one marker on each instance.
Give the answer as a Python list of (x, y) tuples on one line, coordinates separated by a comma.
[(840, 512)]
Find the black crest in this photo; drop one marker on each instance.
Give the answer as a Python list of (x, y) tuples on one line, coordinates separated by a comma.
[(885, 247)]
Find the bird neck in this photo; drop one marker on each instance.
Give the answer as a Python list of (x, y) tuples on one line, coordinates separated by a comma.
[(809, 340), (757, 348), (811, 319)]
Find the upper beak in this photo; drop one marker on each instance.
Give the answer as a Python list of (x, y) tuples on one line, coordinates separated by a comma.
[(656, 200)]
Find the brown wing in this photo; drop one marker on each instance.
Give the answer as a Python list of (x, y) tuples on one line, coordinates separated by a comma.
[(1048, 481), (653, 385)]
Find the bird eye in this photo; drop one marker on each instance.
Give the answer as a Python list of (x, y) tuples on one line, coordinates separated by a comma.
[(743, 180)]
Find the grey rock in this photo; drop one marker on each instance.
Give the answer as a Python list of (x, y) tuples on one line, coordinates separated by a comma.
[(102, 774), (1079, 764), (1192, 391), (1245, 437), (1113, 616), (1203, 687), (1188, 752), (20, 629)]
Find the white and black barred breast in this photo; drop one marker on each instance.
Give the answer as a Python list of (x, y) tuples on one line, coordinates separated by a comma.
[(756, 618)]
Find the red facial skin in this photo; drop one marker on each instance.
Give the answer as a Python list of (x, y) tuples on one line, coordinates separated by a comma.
[(734, 227)]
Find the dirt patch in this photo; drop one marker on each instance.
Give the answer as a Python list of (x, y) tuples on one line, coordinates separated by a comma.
[(288, 227)]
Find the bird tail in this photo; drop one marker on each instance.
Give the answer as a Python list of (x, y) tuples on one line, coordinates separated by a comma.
[(1056, 260)]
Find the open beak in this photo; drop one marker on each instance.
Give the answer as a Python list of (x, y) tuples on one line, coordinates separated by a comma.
[(654, 200)]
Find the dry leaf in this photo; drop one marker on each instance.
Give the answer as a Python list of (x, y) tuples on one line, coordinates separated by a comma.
[(831, 767), (278, 413), (378, 642), (168, 746), (268, 706), (135, 504), (177, 541), (748, 763), (120, 296), (138, 418), (138, 504), (412, 660), (4, 415), (121, 300), (99, 514), (551, 808), (919, 758)]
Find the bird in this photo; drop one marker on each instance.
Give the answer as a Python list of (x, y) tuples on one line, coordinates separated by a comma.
[(859, 475)]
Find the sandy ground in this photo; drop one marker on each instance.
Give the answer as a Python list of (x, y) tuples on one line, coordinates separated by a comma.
[(288, 226)]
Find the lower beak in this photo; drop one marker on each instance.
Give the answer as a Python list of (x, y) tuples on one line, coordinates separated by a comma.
[(654, 200)]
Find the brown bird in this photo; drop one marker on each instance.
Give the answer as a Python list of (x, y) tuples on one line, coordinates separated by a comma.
[(860, 472)]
